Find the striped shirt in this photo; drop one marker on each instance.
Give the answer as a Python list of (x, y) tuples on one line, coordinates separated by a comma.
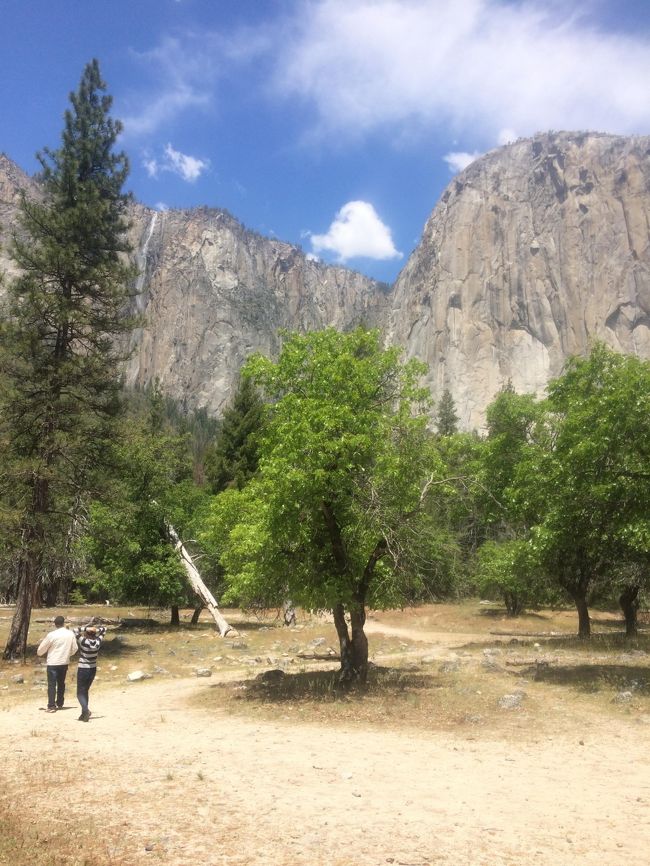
[(89, 646)]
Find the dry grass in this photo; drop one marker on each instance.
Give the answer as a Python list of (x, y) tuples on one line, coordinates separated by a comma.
[(409, 686), (437, 667)]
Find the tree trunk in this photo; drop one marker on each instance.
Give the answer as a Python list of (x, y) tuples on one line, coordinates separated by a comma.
[(197, 584), (175, 617), (629, 602), (353, 649), (584, 623), (16, 646), (198, 610), (513, 603), (289, 613), (359, 642), (29, 567)]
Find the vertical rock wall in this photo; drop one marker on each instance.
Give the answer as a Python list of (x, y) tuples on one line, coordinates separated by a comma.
[(535, 250)]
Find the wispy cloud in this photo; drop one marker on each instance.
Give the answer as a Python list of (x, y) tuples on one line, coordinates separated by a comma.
[(479, 67), (356, 232), (458, 160), (189, 168), (183, 74)]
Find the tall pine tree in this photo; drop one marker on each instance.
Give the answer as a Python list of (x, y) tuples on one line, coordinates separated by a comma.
[(66, 312), (446, 418), (233, 460)]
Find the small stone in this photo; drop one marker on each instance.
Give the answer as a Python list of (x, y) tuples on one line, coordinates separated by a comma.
[(203, 672), (136, 676), (622, 698), (511, 702), (17, 678)]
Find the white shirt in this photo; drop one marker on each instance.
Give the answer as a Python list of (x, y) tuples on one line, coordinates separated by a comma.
[(59, 645)]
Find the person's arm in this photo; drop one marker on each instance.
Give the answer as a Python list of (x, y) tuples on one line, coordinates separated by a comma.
[(44, 645)]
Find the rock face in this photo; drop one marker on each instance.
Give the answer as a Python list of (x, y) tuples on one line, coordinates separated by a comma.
[(533, 251), (212, 293)]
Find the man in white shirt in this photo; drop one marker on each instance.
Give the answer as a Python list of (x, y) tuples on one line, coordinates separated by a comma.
[(59, 645)]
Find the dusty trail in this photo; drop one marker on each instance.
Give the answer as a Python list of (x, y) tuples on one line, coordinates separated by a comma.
[(197, 787)]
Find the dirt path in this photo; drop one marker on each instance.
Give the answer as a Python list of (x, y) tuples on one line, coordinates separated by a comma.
[(152, 771)]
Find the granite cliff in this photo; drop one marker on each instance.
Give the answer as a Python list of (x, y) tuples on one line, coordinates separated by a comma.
[(533, 251)]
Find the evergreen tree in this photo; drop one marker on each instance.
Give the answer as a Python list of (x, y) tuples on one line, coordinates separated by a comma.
[(66, 311), (233, 460), (446, 417)]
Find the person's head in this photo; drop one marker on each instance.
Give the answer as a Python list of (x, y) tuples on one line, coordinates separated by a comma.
[(90, 630), (58, 621)]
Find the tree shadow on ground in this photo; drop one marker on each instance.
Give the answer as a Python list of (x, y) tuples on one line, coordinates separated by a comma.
[(606, 642), (502, 613), (276, 687), (591, 677), (113, 648)]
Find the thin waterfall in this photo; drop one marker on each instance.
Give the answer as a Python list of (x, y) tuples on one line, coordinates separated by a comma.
[(141, 260), (133, 366)]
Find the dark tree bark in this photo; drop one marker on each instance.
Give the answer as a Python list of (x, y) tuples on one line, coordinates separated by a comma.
[(629, 602), (16, 646), (197, 613), (513, 603), (175, 617), (584, 623), (29, 566)]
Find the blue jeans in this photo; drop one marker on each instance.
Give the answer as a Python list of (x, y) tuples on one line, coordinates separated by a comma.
[(85, 677), (56, 685)]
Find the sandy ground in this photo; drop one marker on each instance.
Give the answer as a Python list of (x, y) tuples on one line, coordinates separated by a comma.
[(164, 781)]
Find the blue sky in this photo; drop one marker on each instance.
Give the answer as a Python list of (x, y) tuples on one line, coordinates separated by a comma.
[(334, 124)]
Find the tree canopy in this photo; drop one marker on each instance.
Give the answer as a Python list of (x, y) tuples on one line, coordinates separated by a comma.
[(334, 518)]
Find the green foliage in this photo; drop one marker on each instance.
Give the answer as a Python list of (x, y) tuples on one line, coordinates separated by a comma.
[(510, 570), (446, 418), (130, 556), (334, 515), (233, 458), (580, 485)]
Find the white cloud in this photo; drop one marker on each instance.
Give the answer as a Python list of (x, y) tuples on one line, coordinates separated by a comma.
[(355, 232), (458, 160), (507, 136), (189, 168), (486, 66), (183, 76)]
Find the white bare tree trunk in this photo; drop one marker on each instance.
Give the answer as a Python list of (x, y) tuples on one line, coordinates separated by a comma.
[(197, 584)]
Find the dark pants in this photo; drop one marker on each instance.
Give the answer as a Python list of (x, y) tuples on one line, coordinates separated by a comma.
[(56, 685), (85, 677)]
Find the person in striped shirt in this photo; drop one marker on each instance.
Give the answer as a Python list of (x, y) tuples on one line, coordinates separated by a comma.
[(89, 641)]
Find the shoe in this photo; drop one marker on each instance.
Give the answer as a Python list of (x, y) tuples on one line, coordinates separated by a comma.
[(50, 710), (83, 717)]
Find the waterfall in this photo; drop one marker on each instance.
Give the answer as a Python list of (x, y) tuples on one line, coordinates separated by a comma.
[(141, 260), (133, 366)]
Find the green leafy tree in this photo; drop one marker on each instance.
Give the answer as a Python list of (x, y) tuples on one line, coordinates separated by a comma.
[(335, 517), (504, 564), (586, 488), (127, 546), (59, 356)]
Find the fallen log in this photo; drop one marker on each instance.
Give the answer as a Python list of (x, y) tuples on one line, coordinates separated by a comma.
[(197, 584)]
